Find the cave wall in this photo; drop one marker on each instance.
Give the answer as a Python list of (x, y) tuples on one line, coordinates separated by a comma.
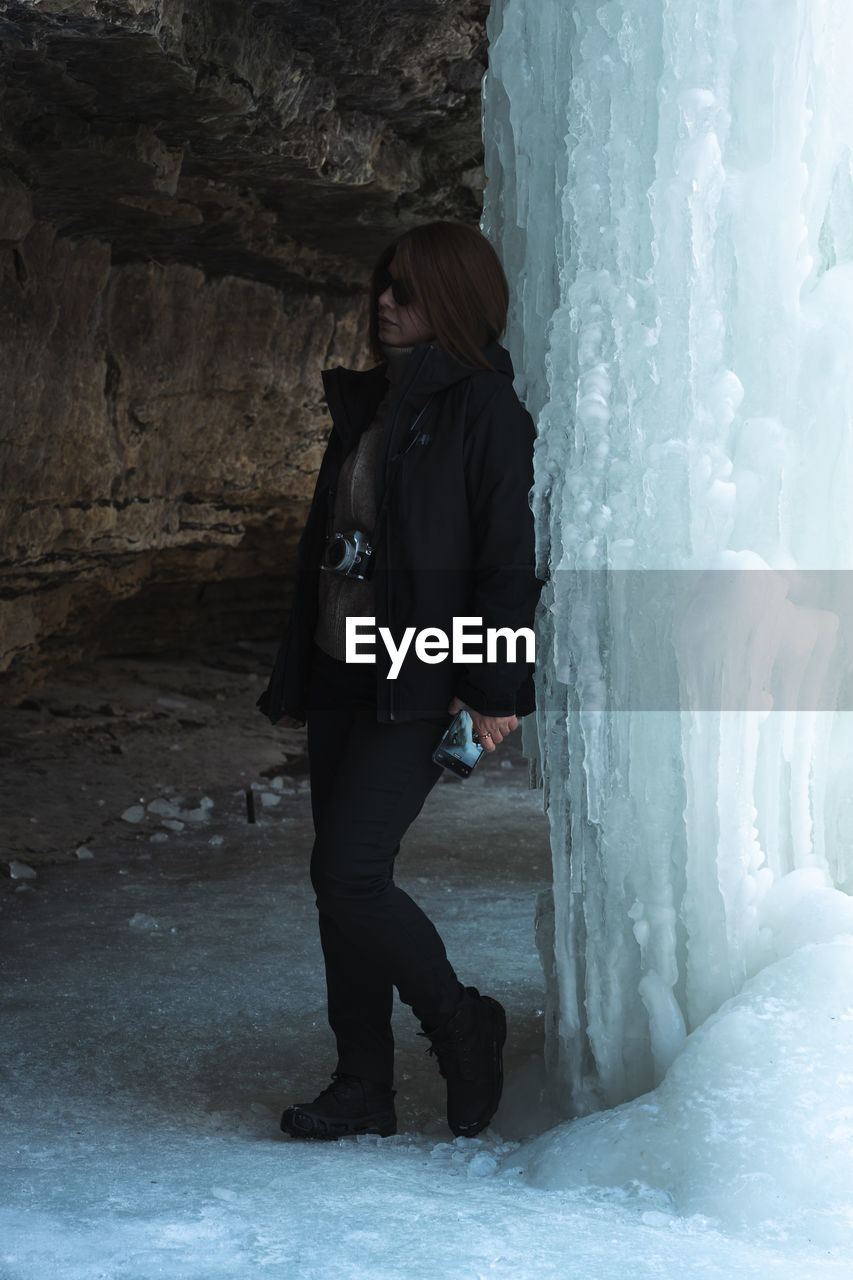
[(190, 196), (160, 426)]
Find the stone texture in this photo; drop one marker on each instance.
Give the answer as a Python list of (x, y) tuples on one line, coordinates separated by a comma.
[(190, 193), (207, 130), (160, 425)]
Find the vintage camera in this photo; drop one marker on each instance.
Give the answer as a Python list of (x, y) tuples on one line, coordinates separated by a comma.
[(349, 553)]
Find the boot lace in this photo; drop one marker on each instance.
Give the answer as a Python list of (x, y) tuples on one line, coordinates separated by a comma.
[(455, 1057)]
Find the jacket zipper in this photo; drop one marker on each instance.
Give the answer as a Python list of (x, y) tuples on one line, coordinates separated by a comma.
[(388, 462)]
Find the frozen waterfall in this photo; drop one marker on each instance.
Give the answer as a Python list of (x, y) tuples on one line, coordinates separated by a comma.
[(671, 190)]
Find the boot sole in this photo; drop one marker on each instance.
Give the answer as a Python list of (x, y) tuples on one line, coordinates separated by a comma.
[(469, 1130), (302, 1124)]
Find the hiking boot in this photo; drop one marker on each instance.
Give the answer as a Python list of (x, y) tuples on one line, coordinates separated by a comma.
[(469, 1048), (349, 1105)]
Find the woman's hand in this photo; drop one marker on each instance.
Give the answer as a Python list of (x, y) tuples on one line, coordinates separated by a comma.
[(491, 730)]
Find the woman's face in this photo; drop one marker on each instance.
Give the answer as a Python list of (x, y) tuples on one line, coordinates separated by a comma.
[(400, 326)]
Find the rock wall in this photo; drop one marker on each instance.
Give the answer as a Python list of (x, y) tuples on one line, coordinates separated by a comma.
[(190, 195), (160, 427)]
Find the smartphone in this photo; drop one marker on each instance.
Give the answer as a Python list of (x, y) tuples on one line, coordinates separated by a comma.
[(458, 750)]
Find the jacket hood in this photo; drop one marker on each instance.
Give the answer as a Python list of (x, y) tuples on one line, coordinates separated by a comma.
[(444, 366), (353, 395)]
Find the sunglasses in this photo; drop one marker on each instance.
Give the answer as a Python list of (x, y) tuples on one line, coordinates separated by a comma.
[(401, 291)]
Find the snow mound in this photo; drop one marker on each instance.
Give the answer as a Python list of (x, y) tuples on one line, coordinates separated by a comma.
[(753, 1124)]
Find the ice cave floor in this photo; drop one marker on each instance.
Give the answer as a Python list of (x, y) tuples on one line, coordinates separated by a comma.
[(162, 999)]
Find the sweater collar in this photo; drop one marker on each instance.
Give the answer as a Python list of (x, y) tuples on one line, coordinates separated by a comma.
[(397, 358)]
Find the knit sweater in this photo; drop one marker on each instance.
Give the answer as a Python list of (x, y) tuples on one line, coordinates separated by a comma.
[(341, 597)]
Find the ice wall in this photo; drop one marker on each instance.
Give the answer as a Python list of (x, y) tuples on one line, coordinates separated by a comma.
[(670, 187)]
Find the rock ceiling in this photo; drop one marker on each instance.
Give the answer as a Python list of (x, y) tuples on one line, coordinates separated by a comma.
[(211, 131)]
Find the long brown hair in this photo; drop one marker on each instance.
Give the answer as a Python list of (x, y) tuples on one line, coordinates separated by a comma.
[(457, 283)]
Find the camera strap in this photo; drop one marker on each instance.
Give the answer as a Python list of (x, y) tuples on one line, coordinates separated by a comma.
[(383, 506), (330, 519), (413, 439)]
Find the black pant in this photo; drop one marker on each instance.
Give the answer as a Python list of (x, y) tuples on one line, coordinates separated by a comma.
[(368, 784)]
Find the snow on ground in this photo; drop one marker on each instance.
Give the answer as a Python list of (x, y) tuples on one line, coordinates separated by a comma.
[(163, 1000)]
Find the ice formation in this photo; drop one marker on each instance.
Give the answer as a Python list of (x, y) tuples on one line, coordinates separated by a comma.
[(671, 190), (731, 1134)]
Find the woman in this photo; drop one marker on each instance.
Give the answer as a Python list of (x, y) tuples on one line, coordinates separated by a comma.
[(420, 516)]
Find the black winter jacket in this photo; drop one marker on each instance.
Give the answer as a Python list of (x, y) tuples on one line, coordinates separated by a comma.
[(454, 537)]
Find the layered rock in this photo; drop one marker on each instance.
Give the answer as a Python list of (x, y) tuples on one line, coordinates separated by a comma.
[(166, 429), (190, 193)]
